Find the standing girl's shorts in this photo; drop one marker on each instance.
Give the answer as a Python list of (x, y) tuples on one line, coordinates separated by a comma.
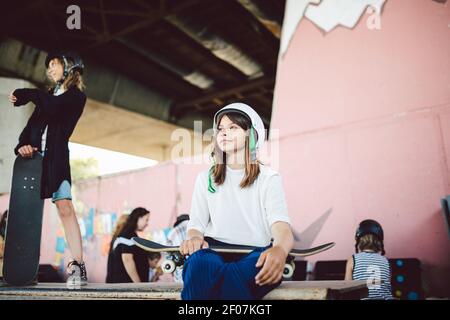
[(63, 192)]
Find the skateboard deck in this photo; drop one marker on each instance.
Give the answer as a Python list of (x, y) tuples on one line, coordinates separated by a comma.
[(24, 224), (176, 259)]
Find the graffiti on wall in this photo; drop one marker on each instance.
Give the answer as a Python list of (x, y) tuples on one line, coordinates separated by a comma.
[(96, 228)]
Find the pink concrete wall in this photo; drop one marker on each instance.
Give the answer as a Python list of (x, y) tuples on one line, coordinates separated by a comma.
[(364, 120), (152, 188), (165, 190), (187, 173)]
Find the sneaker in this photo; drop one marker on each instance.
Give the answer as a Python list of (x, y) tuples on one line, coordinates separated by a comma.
[(77, 276)]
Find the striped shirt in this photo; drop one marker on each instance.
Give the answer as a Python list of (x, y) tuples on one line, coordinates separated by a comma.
[(373, 268), (178, 234)]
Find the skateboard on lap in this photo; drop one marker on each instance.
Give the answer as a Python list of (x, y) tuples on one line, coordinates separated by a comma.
[(24, 223), (175, 259)]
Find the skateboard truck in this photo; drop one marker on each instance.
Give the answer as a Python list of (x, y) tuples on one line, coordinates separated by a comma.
[(172, 261)]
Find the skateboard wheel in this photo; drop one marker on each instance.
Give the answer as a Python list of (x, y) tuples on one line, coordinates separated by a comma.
[(168, 266), (288, 271)]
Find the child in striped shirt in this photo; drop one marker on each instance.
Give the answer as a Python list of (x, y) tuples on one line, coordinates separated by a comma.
[(369, 263)]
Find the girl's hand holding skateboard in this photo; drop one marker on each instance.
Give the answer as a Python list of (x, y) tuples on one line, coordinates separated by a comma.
[(188, 247), (272, 260), (27, 151)]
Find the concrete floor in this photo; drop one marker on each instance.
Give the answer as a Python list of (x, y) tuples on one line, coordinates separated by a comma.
[(289, 290)]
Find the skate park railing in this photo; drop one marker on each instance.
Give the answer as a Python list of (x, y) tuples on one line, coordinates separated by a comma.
[(288, 290)]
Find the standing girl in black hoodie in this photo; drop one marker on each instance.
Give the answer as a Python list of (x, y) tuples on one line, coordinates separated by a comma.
[(48, 131)]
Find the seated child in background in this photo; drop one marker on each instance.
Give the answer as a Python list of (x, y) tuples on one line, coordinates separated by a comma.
[(369, 262), (155, 270)]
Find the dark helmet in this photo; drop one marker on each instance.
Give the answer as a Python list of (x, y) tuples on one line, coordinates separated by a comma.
[(369, 227), (66, 56)]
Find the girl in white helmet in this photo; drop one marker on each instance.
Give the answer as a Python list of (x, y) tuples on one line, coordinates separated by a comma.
[(237, 201)]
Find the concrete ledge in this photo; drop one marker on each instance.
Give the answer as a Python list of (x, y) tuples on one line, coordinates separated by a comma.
[(289, 290)]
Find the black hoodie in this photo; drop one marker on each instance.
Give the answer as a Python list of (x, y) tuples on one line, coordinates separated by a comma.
[(60, 113)]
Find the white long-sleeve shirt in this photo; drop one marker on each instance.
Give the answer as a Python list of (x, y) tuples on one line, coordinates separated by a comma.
[(239, 215)]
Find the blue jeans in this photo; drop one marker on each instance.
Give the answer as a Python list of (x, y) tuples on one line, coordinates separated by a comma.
[(63, 192), (208, 275)]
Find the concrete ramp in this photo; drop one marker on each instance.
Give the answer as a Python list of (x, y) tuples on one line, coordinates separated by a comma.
[(289, 290)]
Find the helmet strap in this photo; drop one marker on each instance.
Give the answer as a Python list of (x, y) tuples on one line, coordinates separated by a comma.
[(66, 69), (211, 187), (58, 85), (252, 145)]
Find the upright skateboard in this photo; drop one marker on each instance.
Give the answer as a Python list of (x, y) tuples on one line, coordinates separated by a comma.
[(24, 224)]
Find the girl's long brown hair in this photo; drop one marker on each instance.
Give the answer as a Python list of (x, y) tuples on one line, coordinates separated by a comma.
[(74, 79), (370, 242), (219, 169), (121, 222)]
